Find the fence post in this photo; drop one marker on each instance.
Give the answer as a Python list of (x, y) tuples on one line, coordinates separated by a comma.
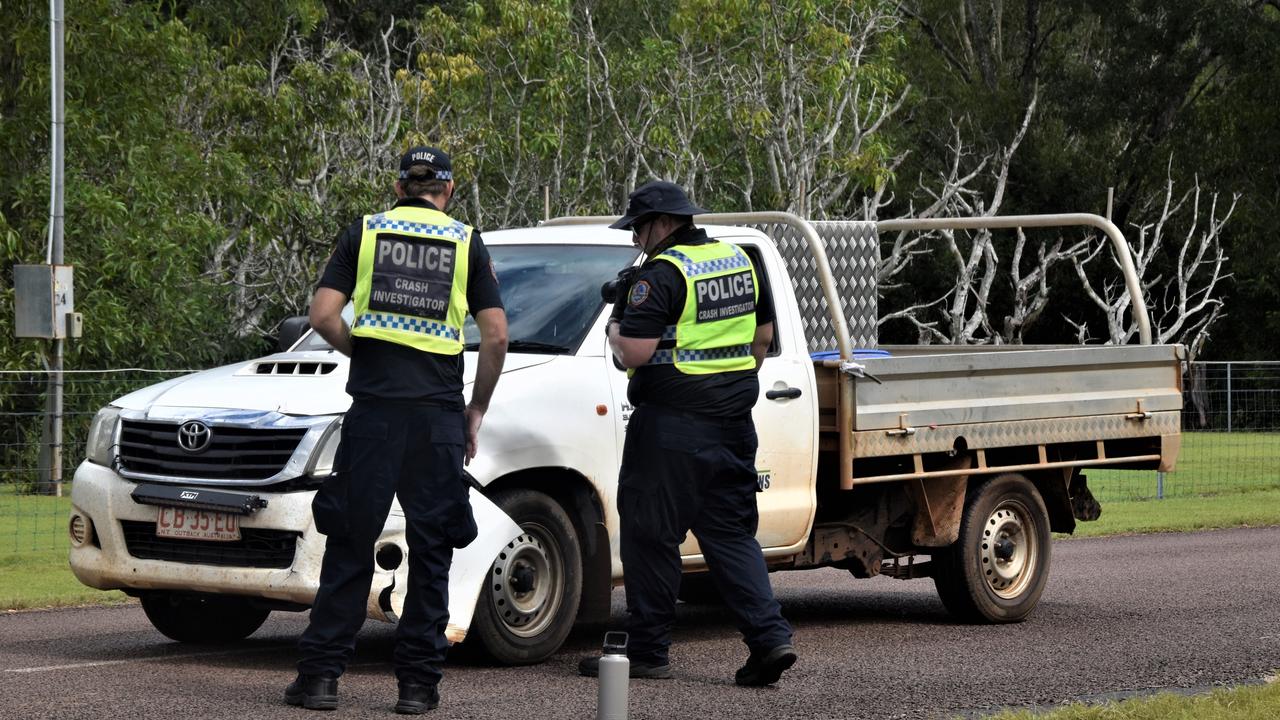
[(1228, 397), (1159, 485)]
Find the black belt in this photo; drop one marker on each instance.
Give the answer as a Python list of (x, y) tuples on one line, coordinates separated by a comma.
[(718, 421)]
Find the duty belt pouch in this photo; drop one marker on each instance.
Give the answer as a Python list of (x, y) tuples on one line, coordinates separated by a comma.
[(449, 436), (329, 506), (462, 528)]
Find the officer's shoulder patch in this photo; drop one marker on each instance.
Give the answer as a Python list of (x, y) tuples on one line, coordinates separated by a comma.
[(639, 293)]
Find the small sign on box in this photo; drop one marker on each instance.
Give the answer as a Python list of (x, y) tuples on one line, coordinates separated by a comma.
[(44, 298)]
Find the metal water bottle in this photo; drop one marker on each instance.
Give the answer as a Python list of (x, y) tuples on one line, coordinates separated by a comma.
[(615, 677)]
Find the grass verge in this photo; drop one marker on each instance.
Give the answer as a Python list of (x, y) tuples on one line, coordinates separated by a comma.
[(1184, 514), (1249, 702), (42, 579), (1209, 463), (33, 556)]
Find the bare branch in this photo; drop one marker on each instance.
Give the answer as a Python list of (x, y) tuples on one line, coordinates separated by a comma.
[(1189, 302)]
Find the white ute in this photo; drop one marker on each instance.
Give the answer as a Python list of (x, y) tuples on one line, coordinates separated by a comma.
[(954, 463)]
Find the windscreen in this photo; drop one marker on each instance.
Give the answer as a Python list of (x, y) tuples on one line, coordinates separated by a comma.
[(551, 294)]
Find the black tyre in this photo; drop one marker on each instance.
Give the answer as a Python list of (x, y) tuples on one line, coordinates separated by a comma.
[(529, 605), (997, 569), (203, 618)]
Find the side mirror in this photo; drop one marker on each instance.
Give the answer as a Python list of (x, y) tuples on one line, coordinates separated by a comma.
[(290, 330)]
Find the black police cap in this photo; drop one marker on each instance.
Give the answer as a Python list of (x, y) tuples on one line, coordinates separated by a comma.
[(434, 158), (656, 198)]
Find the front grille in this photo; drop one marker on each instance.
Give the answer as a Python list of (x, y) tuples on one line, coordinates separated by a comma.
[(256, 548), (233, 454)]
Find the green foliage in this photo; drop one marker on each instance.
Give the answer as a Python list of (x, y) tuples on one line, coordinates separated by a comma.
[(133, 230), (193, 151), (222, 23), (194, 215), (1131, 94), (590, 101), (210, 161)]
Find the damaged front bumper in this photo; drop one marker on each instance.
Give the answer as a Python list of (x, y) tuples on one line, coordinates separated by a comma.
[(278, 558)]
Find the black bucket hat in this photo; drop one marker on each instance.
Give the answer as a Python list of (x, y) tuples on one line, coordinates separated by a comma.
[(656, 198)]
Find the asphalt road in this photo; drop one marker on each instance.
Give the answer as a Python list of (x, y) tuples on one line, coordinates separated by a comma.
[(1120, 616)]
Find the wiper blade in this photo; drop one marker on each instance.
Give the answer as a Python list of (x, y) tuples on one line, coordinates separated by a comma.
[(529, 346), (535, 347)]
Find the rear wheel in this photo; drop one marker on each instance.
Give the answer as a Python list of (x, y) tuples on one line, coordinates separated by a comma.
[(997, 569), (203, 618), (530, 601)]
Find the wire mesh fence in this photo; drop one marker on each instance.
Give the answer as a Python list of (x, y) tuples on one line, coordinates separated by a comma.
[(1230, 443), (34, 506), (1230, 437)]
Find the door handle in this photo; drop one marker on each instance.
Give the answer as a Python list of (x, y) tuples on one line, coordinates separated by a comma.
[(785, 394)]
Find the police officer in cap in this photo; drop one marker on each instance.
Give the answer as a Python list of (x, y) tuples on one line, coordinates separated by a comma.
[(413, 274), (693, 327)]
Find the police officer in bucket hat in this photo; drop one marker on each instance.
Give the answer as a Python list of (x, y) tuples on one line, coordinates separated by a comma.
[(691, 326)]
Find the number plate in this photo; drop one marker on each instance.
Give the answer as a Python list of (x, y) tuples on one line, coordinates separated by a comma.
[(197, 524)]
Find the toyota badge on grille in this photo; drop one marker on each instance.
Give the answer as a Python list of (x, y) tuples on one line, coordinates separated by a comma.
[(194, 436)]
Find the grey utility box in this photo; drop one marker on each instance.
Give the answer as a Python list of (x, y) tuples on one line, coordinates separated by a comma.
[(45, 302)]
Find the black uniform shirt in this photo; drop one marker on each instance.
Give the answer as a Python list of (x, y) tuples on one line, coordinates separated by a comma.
[(390, 371), (726, 394)]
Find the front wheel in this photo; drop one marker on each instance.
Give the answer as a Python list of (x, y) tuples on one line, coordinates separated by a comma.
[(529, 604), (997, 569), (203, 618)]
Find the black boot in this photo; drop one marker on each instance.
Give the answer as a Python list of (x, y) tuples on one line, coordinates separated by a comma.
[(765, 667), (313, 692), (416, 699)]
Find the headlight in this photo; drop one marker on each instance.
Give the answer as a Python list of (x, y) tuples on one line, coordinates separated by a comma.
[(326, 450), (99, 448)]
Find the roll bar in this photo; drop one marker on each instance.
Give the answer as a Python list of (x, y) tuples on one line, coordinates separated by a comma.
[(1138, 302), (818, 248), (845, 398)]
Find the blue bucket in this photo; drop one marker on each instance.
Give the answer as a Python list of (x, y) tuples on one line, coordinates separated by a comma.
[(858, 354)]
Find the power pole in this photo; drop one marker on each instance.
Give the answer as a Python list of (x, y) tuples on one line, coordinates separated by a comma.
[(55, 255)]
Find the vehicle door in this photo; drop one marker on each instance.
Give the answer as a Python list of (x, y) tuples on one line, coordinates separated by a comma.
[(785, 416)]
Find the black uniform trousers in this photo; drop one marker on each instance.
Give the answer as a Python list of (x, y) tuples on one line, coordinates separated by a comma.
[(684, 471), (388, 449)]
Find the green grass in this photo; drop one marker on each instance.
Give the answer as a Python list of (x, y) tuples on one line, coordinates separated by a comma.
[(1208, 463), (41, 579), (1185, 514), (33, 556), (1222, 480), (1252, 702)]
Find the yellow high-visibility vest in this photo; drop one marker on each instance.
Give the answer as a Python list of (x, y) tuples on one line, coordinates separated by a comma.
[(411, 279), (718, 322)]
